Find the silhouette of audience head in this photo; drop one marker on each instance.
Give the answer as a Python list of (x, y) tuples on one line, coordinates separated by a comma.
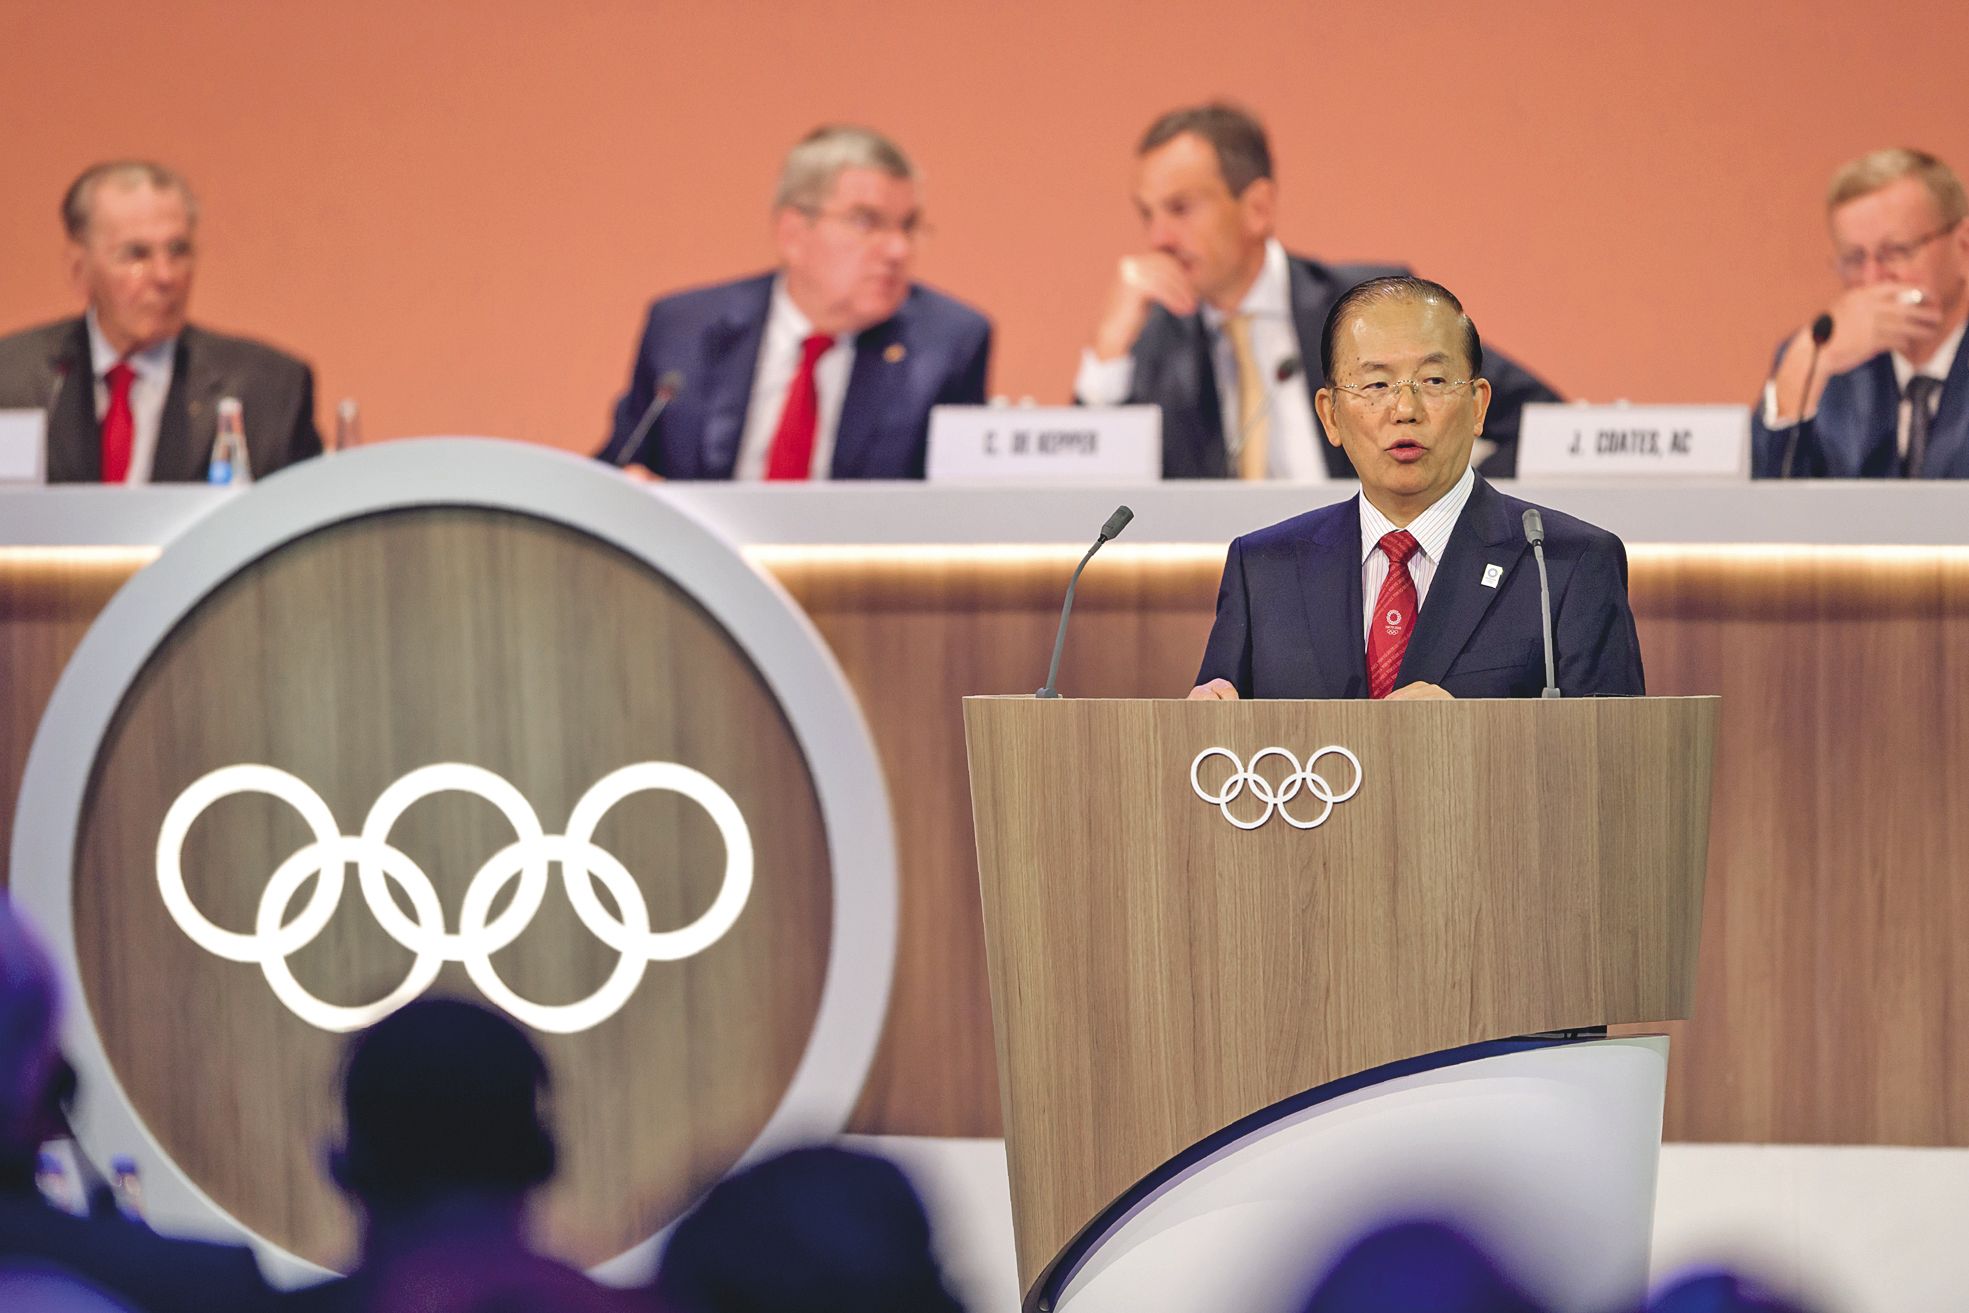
[(33, 1074), (1719, 1292), (1417, 1265), (440, 1099), (817, 1230)]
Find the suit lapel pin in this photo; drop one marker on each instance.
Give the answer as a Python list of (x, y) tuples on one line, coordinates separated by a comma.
[(894, 353), (1492, 573)]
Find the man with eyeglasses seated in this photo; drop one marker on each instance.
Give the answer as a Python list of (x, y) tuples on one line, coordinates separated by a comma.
[(1422, 585), (1888, 395), (825, 368), (1218, 324)]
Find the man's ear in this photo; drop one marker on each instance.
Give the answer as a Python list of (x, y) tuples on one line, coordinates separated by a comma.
[(1260, 205), (1480, 396), (790, 228), (1323, 407), (77, 259), (335, 1157)]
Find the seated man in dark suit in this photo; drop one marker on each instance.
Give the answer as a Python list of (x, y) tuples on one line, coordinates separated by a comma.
[(826, 368), (1219, 326), (107, 1250), (131, 389), (1889, 390), (1423, 585)]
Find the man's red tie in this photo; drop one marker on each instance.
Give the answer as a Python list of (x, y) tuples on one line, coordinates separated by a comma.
[(119, 428), (1394, 615), (792, 453)]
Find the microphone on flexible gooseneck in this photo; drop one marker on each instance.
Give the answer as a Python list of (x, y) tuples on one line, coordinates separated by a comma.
[(1821, 334), (1116, 523), (1535, 535), (667, 389)]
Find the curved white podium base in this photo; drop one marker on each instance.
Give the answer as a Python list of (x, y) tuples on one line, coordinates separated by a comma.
[(1544, 1151)]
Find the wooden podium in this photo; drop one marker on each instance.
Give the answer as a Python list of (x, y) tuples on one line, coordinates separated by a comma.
[(1160, 972)]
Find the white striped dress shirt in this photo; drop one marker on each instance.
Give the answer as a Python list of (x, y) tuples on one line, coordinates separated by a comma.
[(1431, 529)]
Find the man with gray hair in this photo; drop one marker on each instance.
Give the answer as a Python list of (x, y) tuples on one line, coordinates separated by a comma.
[(826, 367), (1881, 388), (130, 388)]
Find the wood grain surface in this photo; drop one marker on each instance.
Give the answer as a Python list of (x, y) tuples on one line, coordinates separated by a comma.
[(1159, 972), (352, 657), (1836, 914)]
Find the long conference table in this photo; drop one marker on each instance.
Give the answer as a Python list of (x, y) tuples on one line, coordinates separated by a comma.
[(1832, 618)]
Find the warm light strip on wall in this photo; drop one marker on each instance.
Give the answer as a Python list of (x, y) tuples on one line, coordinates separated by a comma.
[(1903, 555), (101, 558), (1001, 555)]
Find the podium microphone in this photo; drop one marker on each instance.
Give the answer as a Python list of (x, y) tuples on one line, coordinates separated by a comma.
[(667, 389), (1116, 523), (1535, 535), (1821, 334)]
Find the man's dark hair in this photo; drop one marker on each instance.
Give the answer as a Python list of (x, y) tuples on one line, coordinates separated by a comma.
[(1405, 287), (443, 1096), (1243, 154), (818, 1230)]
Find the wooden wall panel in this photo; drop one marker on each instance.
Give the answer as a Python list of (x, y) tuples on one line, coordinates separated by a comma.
[(1837, 898)]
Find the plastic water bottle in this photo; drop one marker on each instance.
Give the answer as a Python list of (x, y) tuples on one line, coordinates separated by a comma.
[(229, 464), (57, 1184), (129, 1190), (348, 425)]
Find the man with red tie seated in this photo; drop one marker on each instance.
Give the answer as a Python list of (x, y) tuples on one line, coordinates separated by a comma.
[(131, 389), (826, 368), (1423, 585)]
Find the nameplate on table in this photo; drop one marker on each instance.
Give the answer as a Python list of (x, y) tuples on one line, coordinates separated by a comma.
[(1045, 444), (1577, 441), (23, 446)]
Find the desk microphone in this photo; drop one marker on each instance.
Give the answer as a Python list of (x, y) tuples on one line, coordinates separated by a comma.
[(1116, 523), (1288, 369), (667, 389), (1821, 334), (1535, 535)]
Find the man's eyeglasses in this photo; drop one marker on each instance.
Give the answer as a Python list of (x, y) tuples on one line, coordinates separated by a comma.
[(1381, 393), (1888, 255), (870, 225)]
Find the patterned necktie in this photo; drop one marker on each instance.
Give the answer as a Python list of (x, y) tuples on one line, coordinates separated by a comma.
[(1254, 426), (1394, 615), (1920, 393), (119, 426), (792, 453)]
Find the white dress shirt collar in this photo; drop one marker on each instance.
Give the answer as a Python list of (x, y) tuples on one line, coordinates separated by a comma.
[(1938, 364), (1431, 528), (1268, 297), (149, 362)]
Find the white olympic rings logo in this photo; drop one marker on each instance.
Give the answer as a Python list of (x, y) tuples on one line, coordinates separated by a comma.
[(275, 938), (1275, 797)]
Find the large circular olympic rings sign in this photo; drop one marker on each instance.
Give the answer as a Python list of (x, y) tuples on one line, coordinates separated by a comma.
[(275, 937), (657, 528)]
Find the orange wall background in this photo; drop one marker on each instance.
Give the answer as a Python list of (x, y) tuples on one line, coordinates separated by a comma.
[(458, 208)]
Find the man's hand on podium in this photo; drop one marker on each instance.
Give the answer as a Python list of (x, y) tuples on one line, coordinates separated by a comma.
[(1222, 690), (1420, 691)]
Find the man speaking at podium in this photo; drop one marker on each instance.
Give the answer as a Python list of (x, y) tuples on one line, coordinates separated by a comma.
[(1423, 586)]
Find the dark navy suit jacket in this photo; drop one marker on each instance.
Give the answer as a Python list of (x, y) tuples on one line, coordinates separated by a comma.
[(1173, 370), (934, 351), (49, 368), (1289, 610), (1856, 433)]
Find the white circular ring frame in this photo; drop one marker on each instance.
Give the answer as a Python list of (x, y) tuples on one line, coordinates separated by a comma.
[(543, 484)]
